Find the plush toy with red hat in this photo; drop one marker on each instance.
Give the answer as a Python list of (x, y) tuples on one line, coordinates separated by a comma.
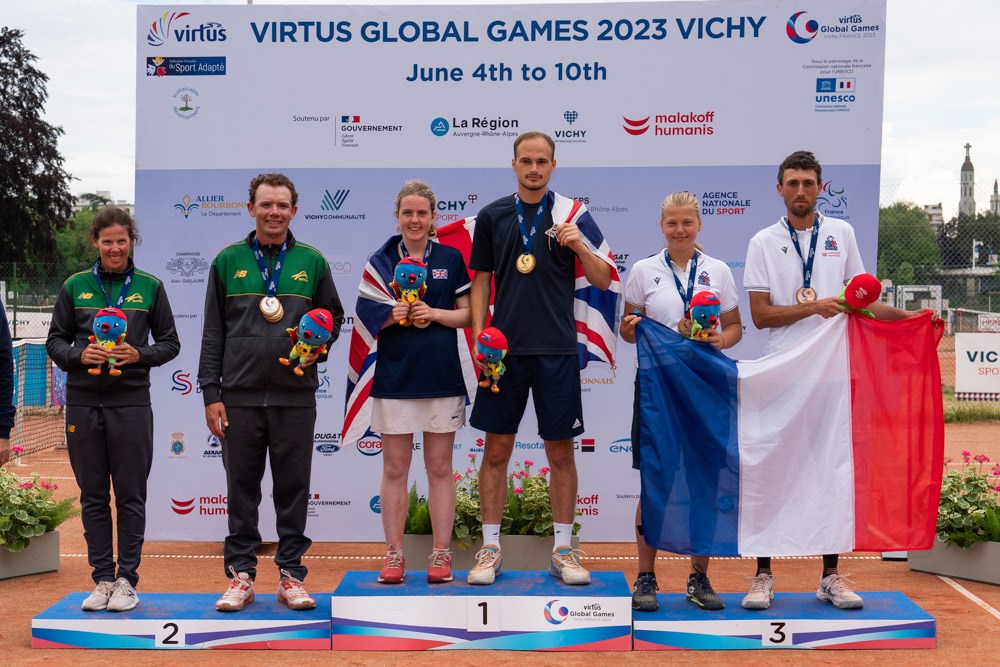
[(315, 329), (491, 348), (110, 325), (409, 281), (704, 313), (862, 291)]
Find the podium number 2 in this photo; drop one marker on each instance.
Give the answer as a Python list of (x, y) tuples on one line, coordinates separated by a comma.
[(484, 615), (167, 637), (777, 634)]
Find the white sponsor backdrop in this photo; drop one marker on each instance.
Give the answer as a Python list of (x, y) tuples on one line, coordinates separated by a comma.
[(643, 99), (977, 366)]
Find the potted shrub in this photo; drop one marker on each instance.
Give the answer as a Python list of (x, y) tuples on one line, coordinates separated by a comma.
[(29, 542), (527, 516), (968, 526)]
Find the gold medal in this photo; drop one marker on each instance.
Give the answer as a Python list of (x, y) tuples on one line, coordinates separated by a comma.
[(805, 294), (272, 309), (526, 263)]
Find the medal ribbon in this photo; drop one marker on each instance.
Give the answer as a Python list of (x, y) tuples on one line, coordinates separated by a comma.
[(807, 264), (270, 282), (403, 252), (528, 237), (124, 291), (685, 299)]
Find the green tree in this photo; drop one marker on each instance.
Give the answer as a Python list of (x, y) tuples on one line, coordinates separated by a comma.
[(34, 188), (73, 242), (94, 200), (907, 251), (957, 236)]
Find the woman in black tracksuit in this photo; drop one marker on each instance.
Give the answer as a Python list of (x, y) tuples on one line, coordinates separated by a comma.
[(109, 420)]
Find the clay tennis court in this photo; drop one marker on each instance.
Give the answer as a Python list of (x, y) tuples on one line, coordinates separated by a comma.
[(967, 633)]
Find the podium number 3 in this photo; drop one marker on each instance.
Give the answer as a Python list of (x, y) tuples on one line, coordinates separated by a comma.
[(778, 634)]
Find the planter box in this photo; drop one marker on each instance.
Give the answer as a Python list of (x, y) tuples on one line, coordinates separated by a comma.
[(980, 563), (41, 555), (520, 552)]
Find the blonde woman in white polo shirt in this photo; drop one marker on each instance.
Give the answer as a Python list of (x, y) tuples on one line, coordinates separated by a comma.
[(661, 287)]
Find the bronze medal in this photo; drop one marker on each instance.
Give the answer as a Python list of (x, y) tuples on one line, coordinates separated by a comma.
[(526, 263), (805, 294), (272, 309)]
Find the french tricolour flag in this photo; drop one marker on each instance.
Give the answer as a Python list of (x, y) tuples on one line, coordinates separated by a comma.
[(832, 445)]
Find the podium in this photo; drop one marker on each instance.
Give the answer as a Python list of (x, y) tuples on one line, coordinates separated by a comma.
[(525, 611), (795, 620), (183, 621)]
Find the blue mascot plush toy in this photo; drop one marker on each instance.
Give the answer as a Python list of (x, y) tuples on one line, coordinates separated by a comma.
[(409, 282), (491, 348), (704, 313), (310, 338), (110, 325)]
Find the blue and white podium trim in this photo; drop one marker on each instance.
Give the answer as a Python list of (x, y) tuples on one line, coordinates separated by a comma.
[(183, 621), (795, 620), (526, 611)]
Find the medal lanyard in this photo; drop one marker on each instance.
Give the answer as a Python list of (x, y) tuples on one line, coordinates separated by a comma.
[(685, 299), (403, 252), (124, 291), (807, 264), (528, 237), (270, 283)]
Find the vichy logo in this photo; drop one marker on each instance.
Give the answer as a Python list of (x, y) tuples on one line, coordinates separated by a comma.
[(335, 201), (169, 26)]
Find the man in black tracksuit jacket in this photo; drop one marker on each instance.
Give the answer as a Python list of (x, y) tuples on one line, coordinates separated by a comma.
[(257, 406)]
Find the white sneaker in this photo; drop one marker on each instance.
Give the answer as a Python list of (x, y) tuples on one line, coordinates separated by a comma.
[(565, 565), (238, 595), (834, 588), (123, 598), (291, 592), (488, 566), (761, 592), (98, 600)]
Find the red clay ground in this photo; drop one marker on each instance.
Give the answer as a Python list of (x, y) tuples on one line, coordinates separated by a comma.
[(967, 634)]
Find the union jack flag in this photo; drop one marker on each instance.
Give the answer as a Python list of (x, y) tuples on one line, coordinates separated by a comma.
[(375, 301), (594, 310), (440, 274)]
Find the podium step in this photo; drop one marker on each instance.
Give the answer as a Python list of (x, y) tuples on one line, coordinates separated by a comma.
[(527, 611), (183, 621), (795, 620)]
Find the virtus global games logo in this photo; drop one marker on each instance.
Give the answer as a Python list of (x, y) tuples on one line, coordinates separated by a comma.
[(555, 613), (801, 30)]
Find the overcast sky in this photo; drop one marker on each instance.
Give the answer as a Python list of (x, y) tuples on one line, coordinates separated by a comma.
[(941, 91)]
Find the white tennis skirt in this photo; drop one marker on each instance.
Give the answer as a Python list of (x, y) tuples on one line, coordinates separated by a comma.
[(445, 414)]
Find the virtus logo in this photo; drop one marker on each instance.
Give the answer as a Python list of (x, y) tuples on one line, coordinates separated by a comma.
[(801, 32), (161, 30), (636, 127), (182, 506), (335, 201), (555, 613), (375, 504)]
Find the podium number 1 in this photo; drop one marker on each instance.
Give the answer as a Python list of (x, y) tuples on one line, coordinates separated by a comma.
[(484, 614)]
